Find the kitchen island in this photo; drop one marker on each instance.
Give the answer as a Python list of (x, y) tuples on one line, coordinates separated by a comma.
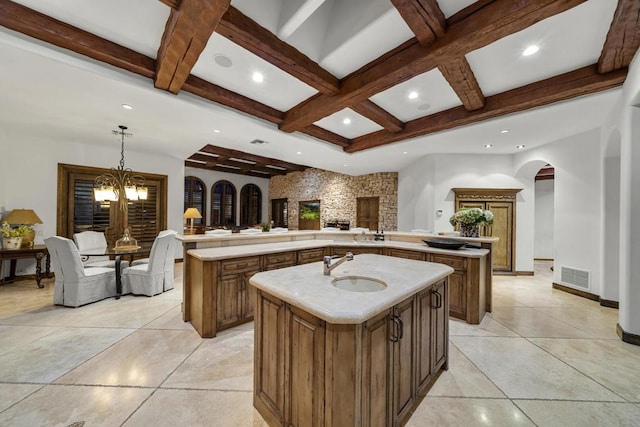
[(326, 355)]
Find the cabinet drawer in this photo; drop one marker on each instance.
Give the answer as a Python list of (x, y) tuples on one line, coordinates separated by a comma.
[(239, 265), (280, 258), (454, 262), (402, 253), (310, 255)]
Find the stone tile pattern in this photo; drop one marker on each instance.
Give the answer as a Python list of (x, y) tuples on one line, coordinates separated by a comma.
[(337, 194)]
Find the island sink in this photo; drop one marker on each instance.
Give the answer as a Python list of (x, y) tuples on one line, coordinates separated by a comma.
[(358, 284)]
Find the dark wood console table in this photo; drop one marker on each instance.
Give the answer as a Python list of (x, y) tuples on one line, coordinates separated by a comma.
[(37, 252)]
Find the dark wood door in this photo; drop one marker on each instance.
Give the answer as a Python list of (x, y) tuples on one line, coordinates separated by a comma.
[(367, 212)]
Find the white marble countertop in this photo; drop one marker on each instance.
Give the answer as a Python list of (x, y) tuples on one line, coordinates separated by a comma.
[(219, 253), (306, 287), (323, 235)]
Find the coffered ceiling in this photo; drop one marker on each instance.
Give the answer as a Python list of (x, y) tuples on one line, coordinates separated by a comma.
[(354, 86)]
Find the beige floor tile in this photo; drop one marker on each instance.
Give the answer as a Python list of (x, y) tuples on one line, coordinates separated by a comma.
[(524, 371), (463, 379), (580, 414), (594, 323), (144, 359), (51, 356), (447, 411), (10, 394), (610, 365), (64, 405), (222, 363), (172, 319), (197, 408), (13, 337), (488, 327), (530, 322)]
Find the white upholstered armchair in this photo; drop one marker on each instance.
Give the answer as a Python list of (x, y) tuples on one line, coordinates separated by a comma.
[(149, 278), (74, 284), (91, 245)]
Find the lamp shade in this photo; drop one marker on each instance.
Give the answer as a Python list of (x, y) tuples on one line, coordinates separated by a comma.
[(22, 216), (192, 213)]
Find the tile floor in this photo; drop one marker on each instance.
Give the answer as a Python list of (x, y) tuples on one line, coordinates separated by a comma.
[(543, 357)]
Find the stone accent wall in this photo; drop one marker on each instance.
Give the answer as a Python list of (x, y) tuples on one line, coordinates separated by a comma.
[(337, 194)]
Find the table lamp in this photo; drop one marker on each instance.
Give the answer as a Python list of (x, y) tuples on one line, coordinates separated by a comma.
[(191, 214), (24, 217)]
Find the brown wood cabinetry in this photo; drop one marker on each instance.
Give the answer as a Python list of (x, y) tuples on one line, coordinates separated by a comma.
[(342, 250), (234, 296), (279, 260), (404, 253), (307, 256), (308, 372)]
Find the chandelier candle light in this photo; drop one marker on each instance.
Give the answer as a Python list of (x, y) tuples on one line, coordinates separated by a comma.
[(120, 185)]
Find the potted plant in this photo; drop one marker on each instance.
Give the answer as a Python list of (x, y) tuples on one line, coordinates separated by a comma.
[(12, 236), (470, 219)]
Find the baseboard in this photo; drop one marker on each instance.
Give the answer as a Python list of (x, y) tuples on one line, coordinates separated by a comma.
[(504, 273), (524, 273), (577, 292), (627, 337), (543, 259), (609, 303)]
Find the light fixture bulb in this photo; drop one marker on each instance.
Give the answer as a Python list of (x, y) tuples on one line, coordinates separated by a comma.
[(127, 107), (530, 50), (257, 77), (346, 120), (413, 95), (216, 131), (504, 131)]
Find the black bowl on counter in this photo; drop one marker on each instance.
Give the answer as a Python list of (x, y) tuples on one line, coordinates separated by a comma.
[(445, 243)]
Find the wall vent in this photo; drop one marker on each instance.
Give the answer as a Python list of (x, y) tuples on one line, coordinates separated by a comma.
[(575, 277)]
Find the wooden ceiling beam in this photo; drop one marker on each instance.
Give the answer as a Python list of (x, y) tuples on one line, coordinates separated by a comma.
[(496, 20), (248, 34), (623, 38), (236, 164), (424, 18), (462, 80), (34, 24), (198, 165), (576, 83), (374, 112), (326, 135), (186, 34), (173, 4), (220, 95), (263, 161)]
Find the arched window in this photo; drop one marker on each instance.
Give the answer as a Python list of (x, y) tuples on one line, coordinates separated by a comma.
[(223, 204), (195, 196), (250, 205)]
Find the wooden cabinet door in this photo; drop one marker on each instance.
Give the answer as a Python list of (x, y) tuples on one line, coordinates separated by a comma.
[(424, 332), (404, 357), (228, 299), (458, 295), (270, 355), (306, 370), (440, 325), (377, 360), (503, 229), (247, 295)]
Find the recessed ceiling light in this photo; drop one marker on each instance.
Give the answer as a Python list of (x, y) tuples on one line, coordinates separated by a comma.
[(345, 165), (257, 77), (520, 147), (504, 131), (413, 95), (127, 107), (346, 121), (488, 145), (216, 131), (424, 106), (222, 60), (404, 152), (299, 152), (530, 50)]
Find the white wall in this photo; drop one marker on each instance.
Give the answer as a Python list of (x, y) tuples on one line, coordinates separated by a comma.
[(30, 181), (424, 187), (211, 177), (577, 203), (544, 211)]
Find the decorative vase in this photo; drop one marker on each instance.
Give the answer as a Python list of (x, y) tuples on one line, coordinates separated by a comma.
[(469, 230), (12, 242)]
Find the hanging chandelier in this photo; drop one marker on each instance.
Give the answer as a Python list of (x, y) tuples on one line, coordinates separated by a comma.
[(120, 185)]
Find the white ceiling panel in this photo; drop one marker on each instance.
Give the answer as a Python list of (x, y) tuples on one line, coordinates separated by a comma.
[(434, 94), (564, 46), (358, 125), (137, 25), (450, 7), (278, 90)]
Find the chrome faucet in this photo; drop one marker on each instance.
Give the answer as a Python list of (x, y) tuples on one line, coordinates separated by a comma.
[(327, 262)]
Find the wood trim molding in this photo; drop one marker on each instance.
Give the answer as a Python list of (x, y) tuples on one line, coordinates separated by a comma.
[(578, 292), (626, 336), (493, 194), (524, 273), (609, 303)]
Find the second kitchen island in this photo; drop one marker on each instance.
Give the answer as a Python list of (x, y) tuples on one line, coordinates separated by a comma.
[(359, 347)]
